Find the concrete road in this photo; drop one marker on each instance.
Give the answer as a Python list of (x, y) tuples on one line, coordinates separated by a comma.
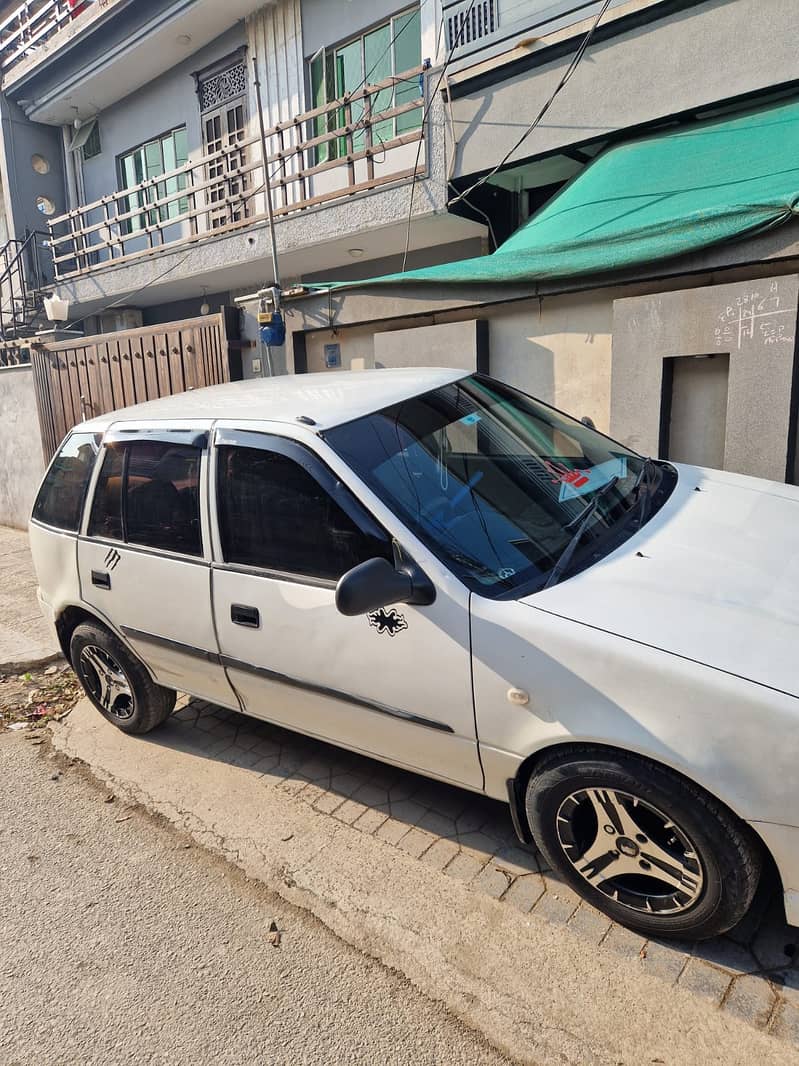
[(363, 847), (122, 943)]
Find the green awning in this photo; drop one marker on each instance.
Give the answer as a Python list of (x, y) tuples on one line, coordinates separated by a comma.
[(662, 195)]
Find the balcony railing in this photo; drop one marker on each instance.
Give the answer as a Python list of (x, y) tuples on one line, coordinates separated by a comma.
[(32, 25), (363, 145)]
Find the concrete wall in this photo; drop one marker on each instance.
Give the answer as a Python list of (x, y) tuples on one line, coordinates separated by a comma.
[(326, 22), (22, 185), (754, 323), (21, 459), (559, 350), (686, 60), (602, 352)]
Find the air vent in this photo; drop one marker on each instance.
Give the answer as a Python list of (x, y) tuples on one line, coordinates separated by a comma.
[(469, 23)]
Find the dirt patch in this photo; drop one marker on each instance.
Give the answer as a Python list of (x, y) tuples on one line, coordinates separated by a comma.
[(37, 696)]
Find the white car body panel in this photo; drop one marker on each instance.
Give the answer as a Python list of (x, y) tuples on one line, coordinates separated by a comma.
[(713, 576), (590, 686), (422, 671), (55, 561), (157, 603), (327, 399)]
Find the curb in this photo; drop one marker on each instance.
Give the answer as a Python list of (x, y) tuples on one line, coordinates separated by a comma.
[(24, 665)]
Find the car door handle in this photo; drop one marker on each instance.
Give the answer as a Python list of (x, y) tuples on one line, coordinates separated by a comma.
[(101, 579), (245, 616)]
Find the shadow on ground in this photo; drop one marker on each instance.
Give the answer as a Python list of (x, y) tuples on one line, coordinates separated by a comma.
[(752, 971)]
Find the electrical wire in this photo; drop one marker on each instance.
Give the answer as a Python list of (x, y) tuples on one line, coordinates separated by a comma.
[(425, 115), (361, 122), (129, 295), (575, 62), (280, 167)]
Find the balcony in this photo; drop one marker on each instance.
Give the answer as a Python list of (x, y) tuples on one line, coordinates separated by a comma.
[(363, 145), (27, 33), (62, 58)]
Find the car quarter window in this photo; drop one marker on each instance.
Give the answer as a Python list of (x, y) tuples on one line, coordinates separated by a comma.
[(274, 515), (61, 497), (148, 494)]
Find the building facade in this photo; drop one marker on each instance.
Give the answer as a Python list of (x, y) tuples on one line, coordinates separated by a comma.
[(134, 187)]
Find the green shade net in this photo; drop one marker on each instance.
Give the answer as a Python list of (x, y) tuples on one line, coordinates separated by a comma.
[(663, 195)]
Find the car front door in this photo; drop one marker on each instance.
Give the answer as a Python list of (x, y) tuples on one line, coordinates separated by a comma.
[(142, 560), (396, 683)]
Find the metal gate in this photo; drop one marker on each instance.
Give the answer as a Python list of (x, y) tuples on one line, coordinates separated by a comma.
[(80, 379)]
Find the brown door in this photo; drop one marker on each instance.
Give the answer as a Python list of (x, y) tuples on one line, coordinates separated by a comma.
[(224, 132)]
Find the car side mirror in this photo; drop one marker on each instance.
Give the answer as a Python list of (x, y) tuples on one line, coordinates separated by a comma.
[(588, 421), (376, 583)]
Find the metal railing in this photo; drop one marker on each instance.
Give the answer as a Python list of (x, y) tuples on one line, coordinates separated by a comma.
[(10, 357), (350, 145), (22, 279), (31, 25)]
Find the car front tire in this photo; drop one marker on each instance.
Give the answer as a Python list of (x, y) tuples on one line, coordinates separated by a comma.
[(642, 844), (116, 681)]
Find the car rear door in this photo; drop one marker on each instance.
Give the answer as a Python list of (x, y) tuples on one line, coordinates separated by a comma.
[(144, 559), (395, 684)]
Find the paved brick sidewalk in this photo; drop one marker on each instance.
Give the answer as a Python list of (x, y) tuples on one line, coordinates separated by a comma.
[(25, 637), (752, 973)]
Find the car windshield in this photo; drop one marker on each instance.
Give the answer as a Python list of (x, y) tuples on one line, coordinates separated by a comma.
[(496, 484)]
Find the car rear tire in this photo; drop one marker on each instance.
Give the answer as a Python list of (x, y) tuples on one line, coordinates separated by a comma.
[(648, 848), (116, 681)]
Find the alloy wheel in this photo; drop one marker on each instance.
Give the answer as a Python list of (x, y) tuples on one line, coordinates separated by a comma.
[(630, 851), (106, 682)]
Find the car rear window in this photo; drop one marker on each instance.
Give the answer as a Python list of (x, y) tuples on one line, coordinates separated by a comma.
[(63, 492)]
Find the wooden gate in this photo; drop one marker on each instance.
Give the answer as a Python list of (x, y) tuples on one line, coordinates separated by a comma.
[(80, 379)]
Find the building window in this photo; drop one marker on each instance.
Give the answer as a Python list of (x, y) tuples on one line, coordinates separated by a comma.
[(160, 156), (383, 52)]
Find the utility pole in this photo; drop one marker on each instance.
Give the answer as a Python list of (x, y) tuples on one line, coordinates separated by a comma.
[(267, 181)]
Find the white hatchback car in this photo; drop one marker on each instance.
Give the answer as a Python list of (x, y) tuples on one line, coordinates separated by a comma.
[(436, 570)]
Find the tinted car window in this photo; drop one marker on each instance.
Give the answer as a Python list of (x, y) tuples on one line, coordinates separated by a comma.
[(274, 515), (60, 499), (149, 494), (106, 516)]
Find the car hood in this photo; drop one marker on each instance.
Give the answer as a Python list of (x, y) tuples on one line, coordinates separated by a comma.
[(712, 577)]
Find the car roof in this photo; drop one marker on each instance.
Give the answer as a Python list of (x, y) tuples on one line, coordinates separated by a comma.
[(330, 399)]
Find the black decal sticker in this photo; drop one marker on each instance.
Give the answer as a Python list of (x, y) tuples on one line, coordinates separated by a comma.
[(113, 559), (391, 622)]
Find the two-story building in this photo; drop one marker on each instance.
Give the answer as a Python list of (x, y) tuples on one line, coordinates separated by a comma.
[(397, 138)]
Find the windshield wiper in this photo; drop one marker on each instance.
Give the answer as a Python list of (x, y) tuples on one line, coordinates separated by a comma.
[(644, 481), (578, 524)]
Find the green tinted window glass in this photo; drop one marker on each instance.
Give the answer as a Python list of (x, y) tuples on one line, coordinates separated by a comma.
[(377, 61), (153, 159), (181, 141), (407, 55), (168, 147), (318, 98), (349, 77), (157, 157)]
